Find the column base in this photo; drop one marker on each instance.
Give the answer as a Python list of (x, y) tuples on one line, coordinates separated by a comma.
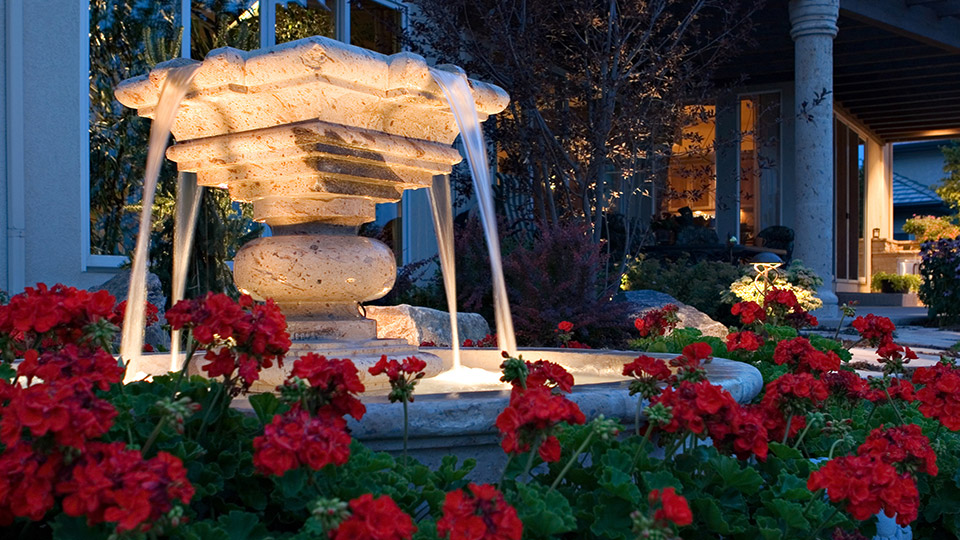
[(831, 305)]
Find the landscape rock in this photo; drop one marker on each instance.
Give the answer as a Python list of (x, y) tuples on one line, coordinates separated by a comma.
[(420, 324), (645, 300), (118, 286)]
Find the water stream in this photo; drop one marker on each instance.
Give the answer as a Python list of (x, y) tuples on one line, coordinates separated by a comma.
[(184, 225), (174, 89), (460, 98), (441, 206)]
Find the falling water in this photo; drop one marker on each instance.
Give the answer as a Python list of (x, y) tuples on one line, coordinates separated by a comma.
[(442, 206), (174, 89), (461, 101), (184, 225)]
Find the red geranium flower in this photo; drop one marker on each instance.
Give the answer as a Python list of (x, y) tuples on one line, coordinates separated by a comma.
[(403, 376), (749, 312), (374, 519), (534, 413), (940, 396), (546, 373), (336, 381), (898, 389), (565, 326), (658, 322), (295, 438), (905, 447), (478, 512), (673, 507), (868, 485), (874, 329), (746, 341)]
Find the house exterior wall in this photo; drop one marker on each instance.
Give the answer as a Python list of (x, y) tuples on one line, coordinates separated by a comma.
[(55, 150), (921, 161), (4, 12)]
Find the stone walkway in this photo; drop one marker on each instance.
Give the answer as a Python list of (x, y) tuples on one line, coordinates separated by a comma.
[(928, 343)]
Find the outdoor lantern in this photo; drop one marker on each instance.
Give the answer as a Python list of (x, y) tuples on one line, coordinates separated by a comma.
[(763, 264), (876, 234)]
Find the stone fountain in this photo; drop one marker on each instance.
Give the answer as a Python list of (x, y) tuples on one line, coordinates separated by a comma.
[(315, 133)]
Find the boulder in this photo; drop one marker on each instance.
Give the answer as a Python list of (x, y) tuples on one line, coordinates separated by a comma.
[(419, 324), (644, 300), (118, 286)]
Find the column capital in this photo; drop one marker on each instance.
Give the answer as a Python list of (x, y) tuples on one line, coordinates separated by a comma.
[(813, 18)]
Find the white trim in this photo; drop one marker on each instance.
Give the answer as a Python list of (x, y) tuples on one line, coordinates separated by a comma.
[(105, 263), (341, 26), (186, 15), (268, 23), (16, 215), (84, 134)]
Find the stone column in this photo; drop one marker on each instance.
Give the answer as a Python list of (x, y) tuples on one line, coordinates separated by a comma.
[(728, 166), (813, 27)]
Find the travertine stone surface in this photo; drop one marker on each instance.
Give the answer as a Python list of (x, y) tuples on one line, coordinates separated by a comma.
[(417, 324)]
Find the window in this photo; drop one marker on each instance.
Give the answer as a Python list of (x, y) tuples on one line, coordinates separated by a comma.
[(128, 38)]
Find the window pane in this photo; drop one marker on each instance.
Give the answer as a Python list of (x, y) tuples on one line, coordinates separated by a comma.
[(375, 26), (691, 180), (126, 39), (296, 21), (223, 23)]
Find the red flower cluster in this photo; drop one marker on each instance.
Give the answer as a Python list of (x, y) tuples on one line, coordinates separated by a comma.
[(802, 357), (335, 382), (897, 388), (487, 341), (648, 373), (375, 519), (152, 313), (749, 312), (403, 376), (869, 485), (673, 507), (249, 336), (546, 373), (905, 447), (51, 317), (743, 341), (874, 329), (794, 393), (846, 384), (744, 434), (113, 484), (940, 396), (658, 322), (295, 438), (565, 326), (534, 412), (478, 512), (695, 406), (782, 306)]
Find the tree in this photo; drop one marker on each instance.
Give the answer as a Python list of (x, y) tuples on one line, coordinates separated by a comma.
[(600, 90), (949, 188)]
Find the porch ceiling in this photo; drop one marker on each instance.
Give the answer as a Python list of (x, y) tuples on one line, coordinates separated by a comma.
[(896, 64)]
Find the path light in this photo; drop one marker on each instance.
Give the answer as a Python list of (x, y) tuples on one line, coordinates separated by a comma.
[(763, 264)]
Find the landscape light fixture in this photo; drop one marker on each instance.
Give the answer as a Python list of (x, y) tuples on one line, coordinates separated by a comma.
[(764, 263), (876, 233)]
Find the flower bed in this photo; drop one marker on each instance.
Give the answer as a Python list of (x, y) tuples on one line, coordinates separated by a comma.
[(84, 456)]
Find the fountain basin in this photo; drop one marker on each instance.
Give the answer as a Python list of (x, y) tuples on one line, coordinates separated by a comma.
[(459, 419)]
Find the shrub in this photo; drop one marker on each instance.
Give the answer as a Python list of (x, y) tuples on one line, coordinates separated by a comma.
[(940, 271), (927, 228), (700, 284), (795, 277), (558, 278), (883, 281)]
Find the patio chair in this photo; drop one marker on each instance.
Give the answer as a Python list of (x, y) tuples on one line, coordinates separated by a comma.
[(777, 237)]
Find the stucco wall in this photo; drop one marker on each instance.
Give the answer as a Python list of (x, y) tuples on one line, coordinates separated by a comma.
[(53, 109)]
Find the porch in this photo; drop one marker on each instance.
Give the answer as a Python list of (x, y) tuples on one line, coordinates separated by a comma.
[(853, 77)]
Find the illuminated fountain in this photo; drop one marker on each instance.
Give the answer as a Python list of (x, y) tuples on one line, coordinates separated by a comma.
[(315, 133)]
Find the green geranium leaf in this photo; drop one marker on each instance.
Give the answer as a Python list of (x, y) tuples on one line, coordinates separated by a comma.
[(708, 513), (792, 488), (790, 512), (547, 513), (768, 528), (75, 528), (659, 480), (203, 530), (293, 481), (266, 406), (783, 451), (746, 480), (242, 526)]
